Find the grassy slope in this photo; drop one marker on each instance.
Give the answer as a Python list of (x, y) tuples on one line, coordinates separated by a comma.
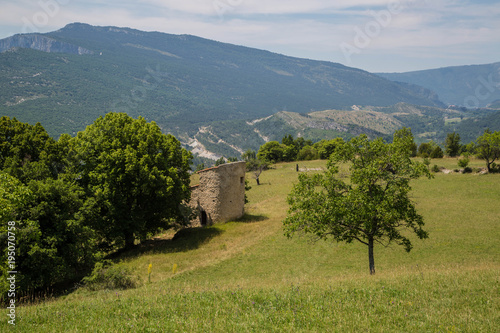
[(246, 276)]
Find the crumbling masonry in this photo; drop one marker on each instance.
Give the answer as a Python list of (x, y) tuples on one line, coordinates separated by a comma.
[(220, 196)]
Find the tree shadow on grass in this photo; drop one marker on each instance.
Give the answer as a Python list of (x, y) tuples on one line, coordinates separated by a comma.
[(250, 218), (184, 240)]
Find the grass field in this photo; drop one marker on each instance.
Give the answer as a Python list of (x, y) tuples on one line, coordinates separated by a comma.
[(245, 276)]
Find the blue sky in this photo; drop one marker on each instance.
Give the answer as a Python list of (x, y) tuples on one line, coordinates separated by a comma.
[(375, 35)]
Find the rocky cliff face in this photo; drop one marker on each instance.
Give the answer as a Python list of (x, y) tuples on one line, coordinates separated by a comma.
[(41, 43)]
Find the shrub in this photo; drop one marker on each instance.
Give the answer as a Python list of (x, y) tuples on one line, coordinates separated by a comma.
[(437, 152), (467, 170), (435, 168), (464, 161), (105, 275)]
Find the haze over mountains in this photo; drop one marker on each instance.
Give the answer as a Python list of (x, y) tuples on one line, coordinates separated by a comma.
[(205, 92), (471, 86)]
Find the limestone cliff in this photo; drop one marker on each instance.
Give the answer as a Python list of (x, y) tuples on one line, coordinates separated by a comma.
[(40, 43)]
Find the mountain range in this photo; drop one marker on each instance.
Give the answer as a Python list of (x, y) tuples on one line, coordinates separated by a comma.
[(217, 98), (472, 86)]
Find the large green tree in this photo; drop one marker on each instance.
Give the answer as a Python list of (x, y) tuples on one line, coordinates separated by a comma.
[(373, 207), (271, 152), (135, 176), (488, 147)]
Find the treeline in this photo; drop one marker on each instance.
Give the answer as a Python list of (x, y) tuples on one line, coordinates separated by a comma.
[(290, 149), (74, 200)]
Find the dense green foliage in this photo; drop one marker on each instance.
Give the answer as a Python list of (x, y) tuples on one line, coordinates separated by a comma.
[(373, 207), (452, 144), (135, 176), (67, 200), (488, 148), (290, 150), (430, 149), (27, 151)]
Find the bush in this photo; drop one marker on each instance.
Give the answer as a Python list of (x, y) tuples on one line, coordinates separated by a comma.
[(108, 276), (467, 170), (435, 168), (307, 153), (437, 152), (463, 162)]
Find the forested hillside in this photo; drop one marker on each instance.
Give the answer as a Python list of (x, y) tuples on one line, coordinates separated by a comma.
[(427, 123)]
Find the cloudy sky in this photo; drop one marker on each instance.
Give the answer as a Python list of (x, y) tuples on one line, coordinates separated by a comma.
[(375, 35)]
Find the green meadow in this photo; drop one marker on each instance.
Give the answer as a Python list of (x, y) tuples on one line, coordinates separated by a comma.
[(245, 276)]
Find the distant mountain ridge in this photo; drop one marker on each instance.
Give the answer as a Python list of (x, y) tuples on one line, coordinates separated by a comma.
[(182, 82), (471, 86), (219, 99)]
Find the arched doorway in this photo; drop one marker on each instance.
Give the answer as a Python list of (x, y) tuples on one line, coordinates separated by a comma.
[(203, 218)]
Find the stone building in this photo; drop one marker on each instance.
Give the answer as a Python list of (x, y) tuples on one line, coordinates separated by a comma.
[(220, 196)]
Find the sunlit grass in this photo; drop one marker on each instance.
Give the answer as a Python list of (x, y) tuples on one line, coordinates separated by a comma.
[(246, 276)]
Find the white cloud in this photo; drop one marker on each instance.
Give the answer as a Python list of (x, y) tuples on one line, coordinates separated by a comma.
[(313, 28)]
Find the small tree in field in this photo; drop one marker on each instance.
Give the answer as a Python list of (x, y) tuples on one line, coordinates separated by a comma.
[(373, 207), (488, 148), (452, 144)]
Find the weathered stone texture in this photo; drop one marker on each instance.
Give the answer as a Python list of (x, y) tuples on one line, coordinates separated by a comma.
[(220, 196)]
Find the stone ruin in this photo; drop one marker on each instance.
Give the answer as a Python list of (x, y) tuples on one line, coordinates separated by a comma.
[(220, 196)]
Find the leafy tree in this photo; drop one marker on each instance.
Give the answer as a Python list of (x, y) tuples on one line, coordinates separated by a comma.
[(232, 159), (249, 155), (326, 148), (374, 206), (308, 153), (470, 148), (220, 161), (271, 152), (406, 132), (13, 194), (288, 140), (27, 151), (425, 149), (430, 149), (437, 152), (452, 144), (135, 176), (53, 244), (488, 148), (57, 244), (290, 153), (300, 143)]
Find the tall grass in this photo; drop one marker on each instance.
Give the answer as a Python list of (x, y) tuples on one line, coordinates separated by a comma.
[(245, 276)]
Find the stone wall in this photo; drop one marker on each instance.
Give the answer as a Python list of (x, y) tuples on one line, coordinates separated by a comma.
[(220, 196)]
